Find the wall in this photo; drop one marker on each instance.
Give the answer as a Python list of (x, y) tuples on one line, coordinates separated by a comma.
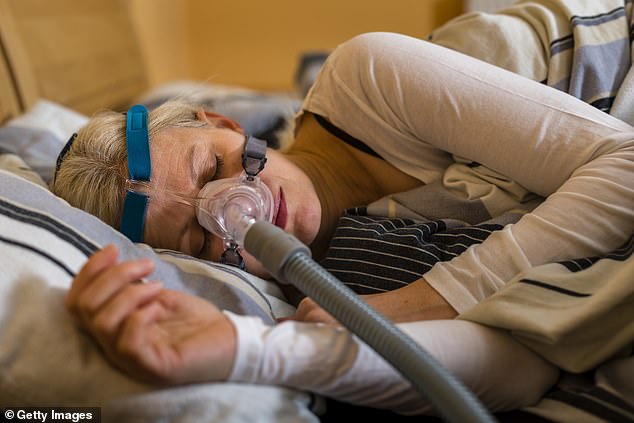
[(487, 5), (257, 43), (162, 31)]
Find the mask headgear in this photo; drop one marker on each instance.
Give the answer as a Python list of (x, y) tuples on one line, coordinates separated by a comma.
[(139, 170)]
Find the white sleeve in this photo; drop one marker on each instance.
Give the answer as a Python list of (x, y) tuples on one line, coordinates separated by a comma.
[(331, 362), (413, 101)]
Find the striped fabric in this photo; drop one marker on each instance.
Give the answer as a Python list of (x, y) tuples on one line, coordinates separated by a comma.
[(621, 254), (584, 404), (38, 225), (592, 61), (377, 254), (579, 315), (558, 310), (580, 47)]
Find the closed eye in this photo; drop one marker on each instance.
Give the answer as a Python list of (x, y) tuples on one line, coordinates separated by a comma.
[(220, 164)]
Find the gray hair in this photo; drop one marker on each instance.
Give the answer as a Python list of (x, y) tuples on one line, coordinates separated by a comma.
[(92, 175)]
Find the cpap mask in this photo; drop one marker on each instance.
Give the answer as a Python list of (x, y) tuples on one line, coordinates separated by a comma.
[(225, 207), (228, 207)]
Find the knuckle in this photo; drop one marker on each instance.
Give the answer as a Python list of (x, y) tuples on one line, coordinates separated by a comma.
[(103, 325), (85, 304)]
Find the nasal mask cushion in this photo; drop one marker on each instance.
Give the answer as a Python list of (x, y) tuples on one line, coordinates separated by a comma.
[(224, 203)]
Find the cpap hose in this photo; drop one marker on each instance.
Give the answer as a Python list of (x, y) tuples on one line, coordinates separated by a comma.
[(289, 261)]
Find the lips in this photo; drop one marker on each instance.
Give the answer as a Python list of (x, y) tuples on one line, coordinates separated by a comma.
[(281, 212)]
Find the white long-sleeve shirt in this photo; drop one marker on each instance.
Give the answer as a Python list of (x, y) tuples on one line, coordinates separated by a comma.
[(332, 362)]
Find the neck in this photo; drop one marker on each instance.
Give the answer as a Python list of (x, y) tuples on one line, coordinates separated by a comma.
[(340, 179)]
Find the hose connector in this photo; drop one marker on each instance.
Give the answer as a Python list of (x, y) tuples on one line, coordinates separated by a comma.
[(273, 247)]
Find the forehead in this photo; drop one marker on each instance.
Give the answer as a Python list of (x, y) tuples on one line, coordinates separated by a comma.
[(175, 140), (174, 152)]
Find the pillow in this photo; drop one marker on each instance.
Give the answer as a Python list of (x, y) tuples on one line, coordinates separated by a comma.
[(39, 135), (268, 116), (46, 361)]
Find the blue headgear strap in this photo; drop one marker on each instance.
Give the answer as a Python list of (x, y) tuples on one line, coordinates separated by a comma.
[(139, 169)]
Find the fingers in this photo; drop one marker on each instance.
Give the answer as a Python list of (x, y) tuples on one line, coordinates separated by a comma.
[(133, 349), (105, 324), (99, 261), (101, 277), (134, 329), (309, 311), (109, 282), (104, 292)]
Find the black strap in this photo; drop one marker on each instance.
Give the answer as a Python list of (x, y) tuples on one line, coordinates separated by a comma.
[(254, 156), (345, 137)]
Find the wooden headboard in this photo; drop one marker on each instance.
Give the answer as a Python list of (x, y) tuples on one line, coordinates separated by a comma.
[(9, 103), (83, 54)]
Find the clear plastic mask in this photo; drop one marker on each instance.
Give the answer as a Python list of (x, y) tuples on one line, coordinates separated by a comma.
[(226, 207)]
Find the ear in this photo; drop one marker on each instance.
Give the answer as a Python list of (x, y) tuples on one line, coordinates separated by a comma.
[(218, 121)]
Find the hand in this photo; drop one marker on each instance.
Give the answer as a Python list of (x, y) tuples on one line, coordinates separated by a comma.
[(416, 301), (153, 333), (309, 311)]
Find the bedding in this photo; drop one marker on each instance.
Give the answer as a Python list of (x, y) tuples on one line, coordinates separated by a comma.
[(267, 116), (581, 48), (44, 359), (38, 135)]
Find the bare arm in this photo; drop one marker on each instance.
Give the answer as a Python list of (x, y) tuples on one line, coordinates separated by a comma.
[(416, 301)]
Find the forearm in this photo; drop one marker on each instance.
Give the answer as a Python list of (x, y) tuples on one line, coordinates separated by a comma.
[(331, 362), (414, 302)]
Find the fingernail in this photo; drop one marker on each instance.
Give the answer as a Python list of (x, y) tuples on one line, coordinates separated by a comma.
[(109, 248), (146, 263), (144, 281)]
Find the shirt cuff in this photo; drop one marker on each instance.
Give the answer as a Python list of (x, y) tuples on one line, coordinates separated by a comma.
[(251, 332)]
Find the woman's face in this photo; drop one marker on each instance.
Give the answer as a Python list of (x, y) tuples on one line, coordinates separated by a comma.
[(185, 159)]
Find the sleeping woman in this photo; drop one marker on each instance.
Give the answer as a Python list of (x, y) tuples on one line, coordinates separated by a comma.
[(422, 177)]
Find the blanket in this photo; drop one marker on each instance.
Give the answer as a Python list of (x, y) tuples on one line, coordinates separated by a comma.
[(578, 314), (580, 47)]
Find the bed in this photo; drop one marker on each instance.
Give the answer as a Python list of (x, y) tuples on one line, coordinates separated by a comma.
[(47, 93)]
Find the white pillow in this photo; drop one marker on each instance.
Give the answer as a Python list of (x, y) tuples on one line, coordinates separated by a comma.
[(39, 135)]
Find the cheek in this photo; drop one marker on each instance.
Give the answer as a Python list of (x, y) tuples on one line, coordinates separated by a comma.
[(253, 266), (214, 250)]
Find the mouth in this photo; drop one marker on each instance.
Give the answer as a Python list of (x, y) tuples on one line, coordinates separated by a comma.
[(281, 212)]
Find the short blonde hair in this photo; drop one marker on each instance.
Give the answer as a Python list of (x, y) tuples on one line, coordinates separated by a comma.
[(92, 175)]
